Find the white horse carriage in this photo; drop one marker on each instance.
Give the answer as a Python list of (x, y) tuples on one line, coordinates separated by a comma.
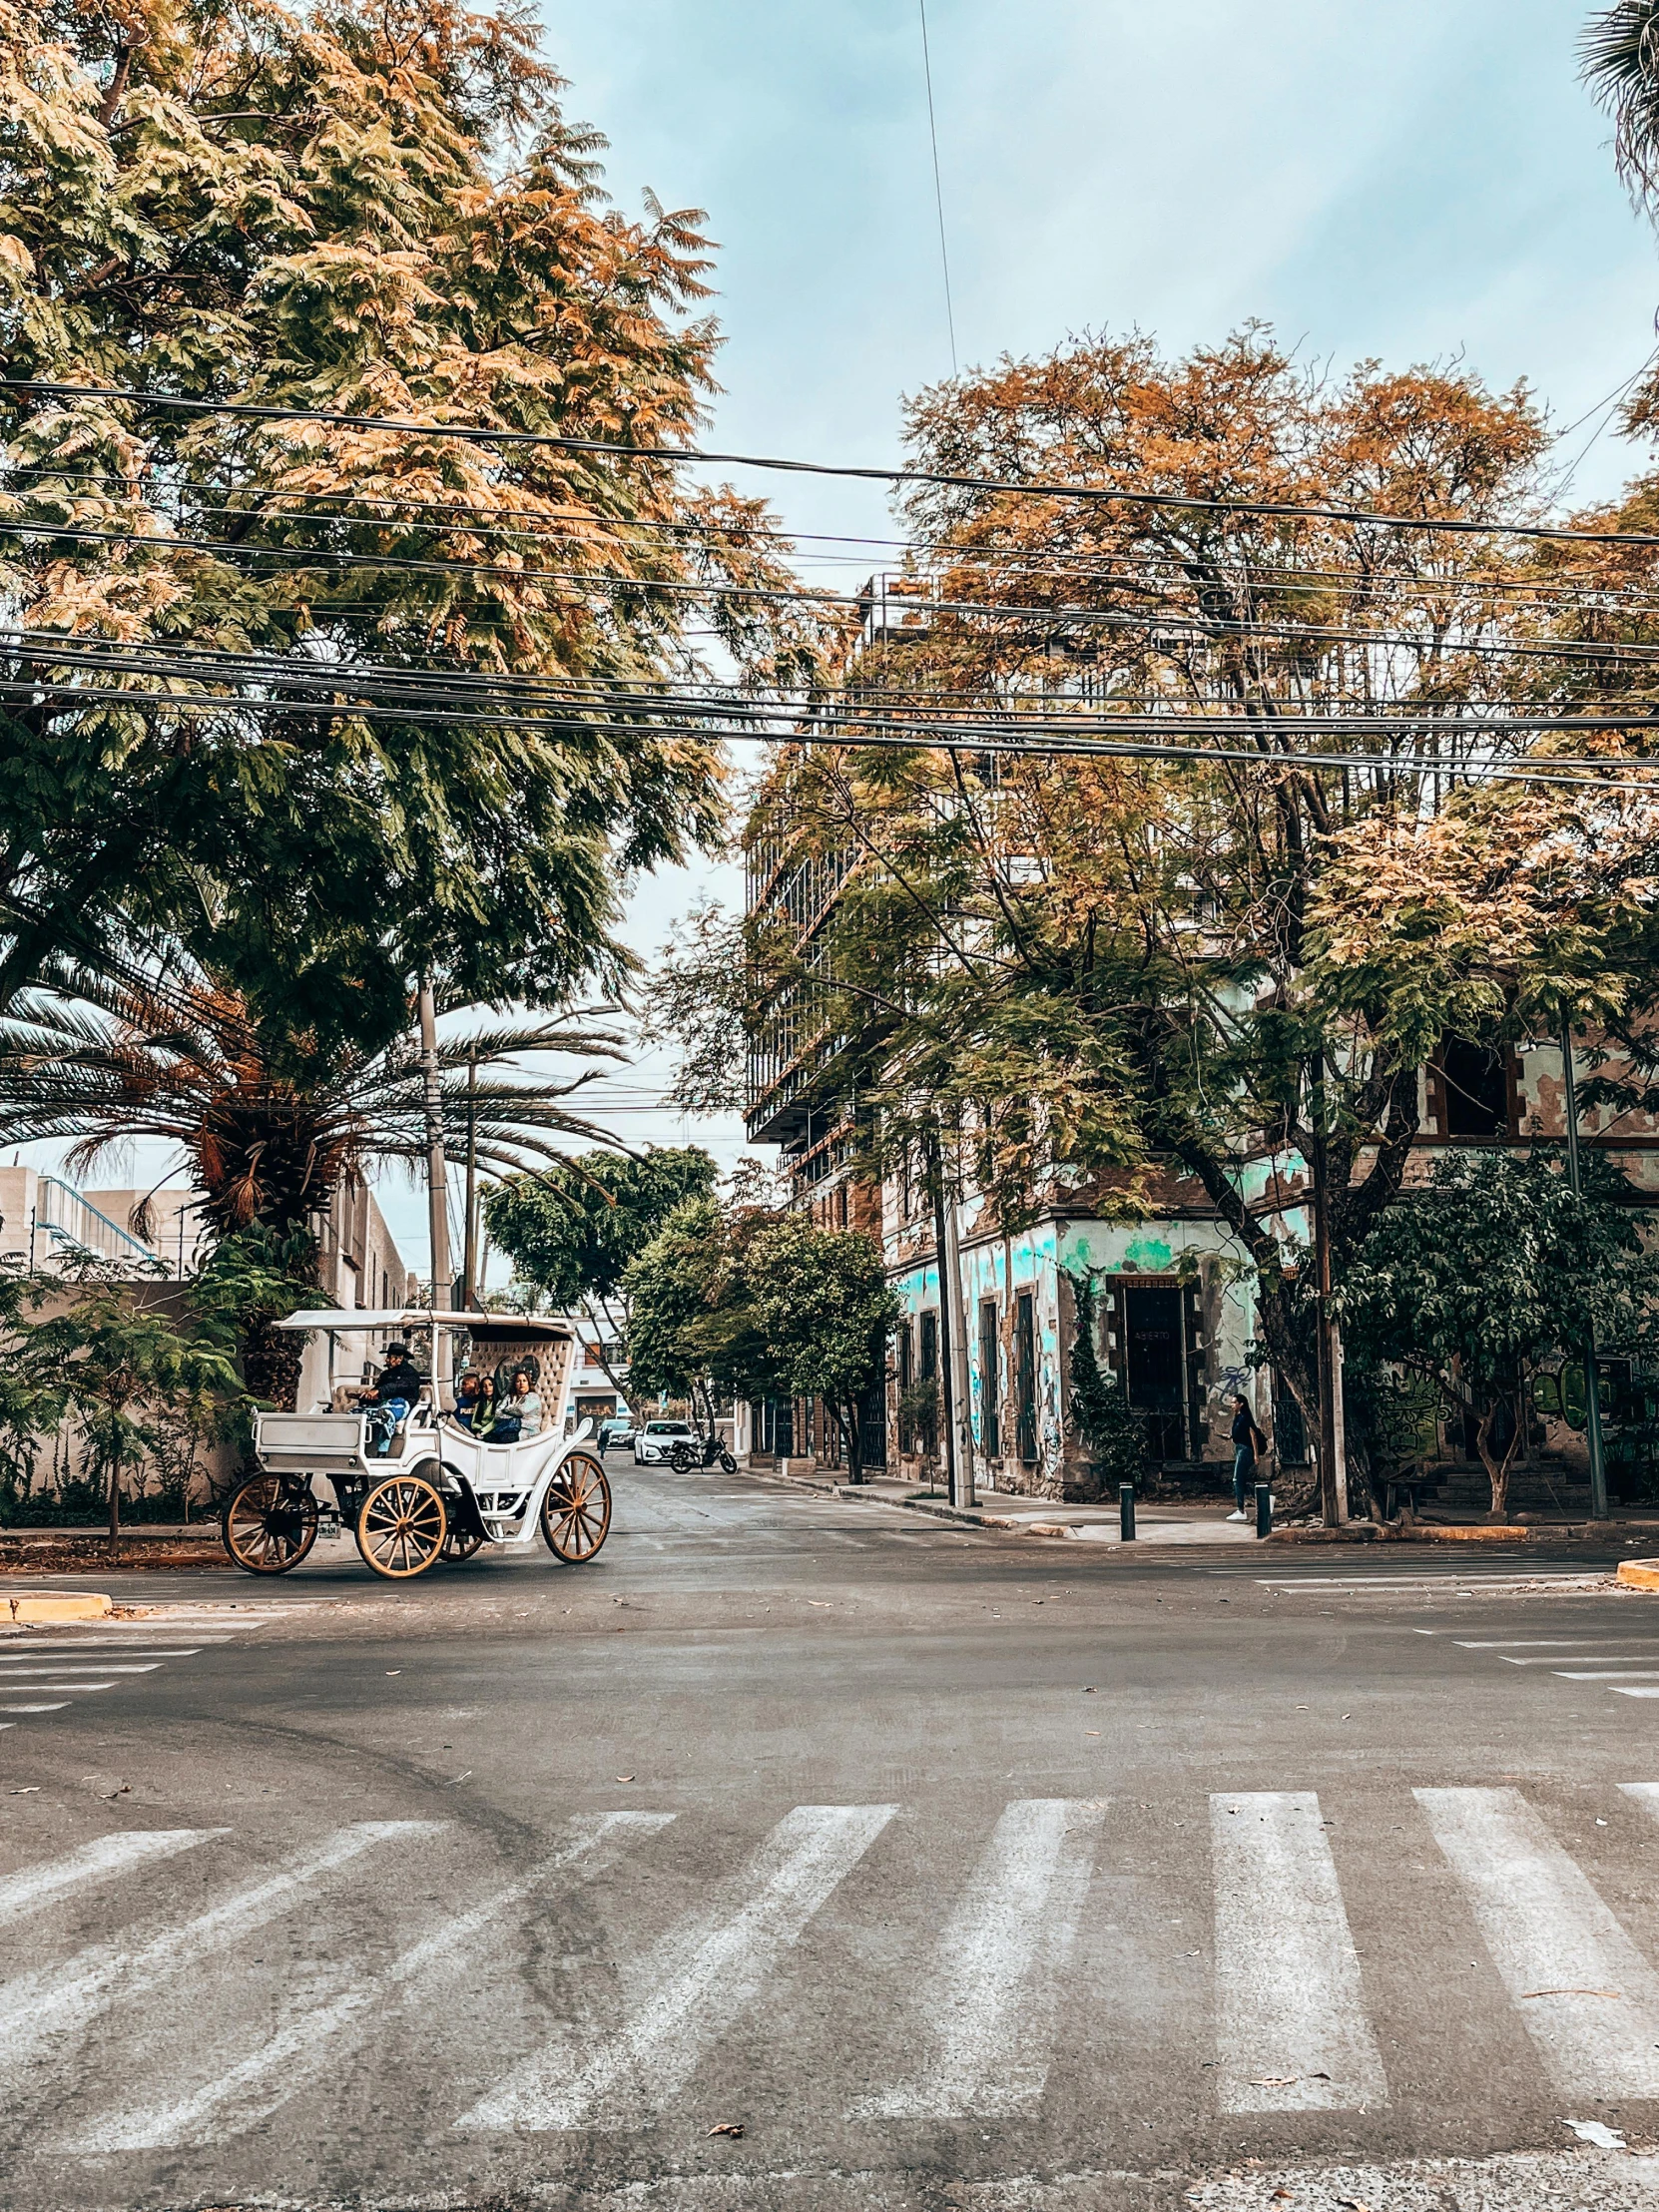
[(430, 1490)]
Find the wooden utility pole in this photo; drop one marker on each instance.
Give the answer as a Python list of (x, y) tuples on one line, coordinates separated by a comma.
[(469, 1262), (437, 1191), (1592, 1384)]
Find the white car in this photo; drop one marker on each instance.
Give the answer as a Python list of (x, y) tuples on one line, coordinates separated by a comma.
[(657, 1439)]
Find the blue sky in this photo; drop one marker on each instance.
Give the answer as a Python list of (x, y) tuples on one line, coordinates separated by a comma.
[(1407, 179)]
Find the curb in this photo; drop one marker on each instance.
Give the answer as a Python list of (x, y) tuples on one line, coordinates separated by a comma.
[(88, 1607), (1638, 1574)]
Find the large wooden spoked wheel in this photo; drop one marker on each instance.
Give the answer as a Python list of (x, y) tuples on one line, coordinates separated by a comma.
[(270, 1523), (402, 1527), (576, 1512)]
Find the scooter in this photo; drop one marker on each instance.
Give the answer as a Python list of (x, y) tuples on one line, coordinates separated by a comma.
[(684, 1458)]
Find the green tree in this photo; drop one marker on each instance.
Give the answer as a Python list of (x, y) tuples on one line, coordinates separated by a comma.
[(824, 1310), (381, 212), (1099, 973), (572, 1232), (692, 1331), (1492, 1268), (116, 1368)]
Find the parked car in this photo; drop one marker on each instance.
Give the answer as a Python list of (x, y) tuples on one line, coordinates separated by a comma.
[(618, 1429), (654, 1445)]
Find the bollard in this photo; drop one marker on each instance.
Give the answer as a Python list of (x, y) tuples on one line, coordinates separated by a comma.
[(1126, 1511), (1264, 1509)]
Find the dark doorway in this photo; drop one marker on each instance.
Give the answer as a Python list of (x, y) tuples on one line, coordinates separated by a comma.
[(990, 1397), (1155, 1366), (1474, 1088), (1025, 1377)]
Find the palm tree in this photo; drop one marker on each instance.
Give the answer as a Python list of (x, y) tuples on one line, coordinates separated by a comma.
[(1620, 48), (266, 1122)]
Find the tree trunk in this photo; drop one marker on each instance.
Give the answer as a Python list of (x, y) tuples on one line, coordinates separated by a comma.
[(270, 1359), (1497, 1471), (853, 1433), (114, 1506)]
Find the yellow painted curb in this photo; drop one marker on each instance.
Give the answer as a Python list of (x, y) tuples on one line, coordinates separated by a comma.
[(88, 1606), (1639, 1575), (1481, 1533)]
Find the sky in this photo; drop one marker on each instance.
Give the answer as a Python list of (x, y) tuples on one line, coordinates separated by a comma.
[(1404, 179)]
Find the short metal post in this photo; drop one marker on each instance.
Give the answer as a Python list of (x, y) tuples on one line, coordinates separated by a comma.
[(1126, 1511), (1264, 1509)]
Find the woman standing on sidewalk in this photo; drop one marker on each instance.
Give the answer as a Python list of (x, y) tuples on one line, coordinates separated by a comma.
[(1248, 1439)]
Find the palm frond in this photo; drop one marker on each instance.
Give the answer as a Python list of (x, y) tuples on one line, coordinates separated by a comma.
[(1619, 60)]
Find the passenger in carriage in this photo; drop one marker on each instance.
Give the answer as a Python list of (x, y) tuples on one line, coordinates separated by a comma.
[(395, 1393), (483, 1410), (526, 1405), (466, 1401)]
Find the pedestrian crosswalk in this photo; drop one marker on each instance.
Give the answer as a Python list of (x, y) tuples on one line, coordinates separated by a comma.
[(1627, 1664), (136, 1947), (53, 1670)]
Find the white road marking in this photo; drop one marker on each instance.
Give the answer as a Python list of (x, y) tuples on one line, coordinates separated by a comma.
[(17, 1670), (1602, 1673), (77, 1685), (40, 2008), (1617, 1692), (1524, 1643), (693, 1986), (31, 1708), (99, 1860), (1590, 1659), (1290, 2027), (68, 1650), (260, 2084), (1012, 1929), (1587, 1996)]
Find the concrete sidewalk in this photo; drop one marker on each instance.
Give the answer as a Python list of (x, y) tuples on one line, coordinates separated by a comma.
[(1201, 1522), (1155, 1522)]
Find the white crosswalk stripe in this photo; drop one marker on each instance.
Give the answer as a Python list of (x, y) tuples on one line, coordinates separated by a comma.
[(100, 1861), (696, 1983), (257, 2085), (1014, 1927), (1588, 1998), (52, 2001), (1291, 2028), (1620, 1663), (47, 1673)]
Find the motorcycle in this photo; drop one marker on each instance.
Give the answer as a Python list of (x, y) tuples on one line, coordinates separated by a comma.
[(686, 1459)]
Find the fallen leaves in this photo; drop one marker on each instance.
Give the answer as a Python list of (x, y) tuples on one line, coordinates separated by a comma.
[(625, 1778), (734, 2128)]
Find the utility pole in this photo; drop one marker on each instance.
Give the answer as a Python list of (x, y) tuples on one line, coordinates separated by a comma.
[(955, 1352), (469, 1262), (437, 1193), (944, 1246), (1333, 1444), (1592, 1389)]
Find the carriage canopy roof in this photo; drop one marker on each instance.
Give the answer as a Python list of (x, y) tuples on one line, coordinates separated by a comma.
[(518, 1327)]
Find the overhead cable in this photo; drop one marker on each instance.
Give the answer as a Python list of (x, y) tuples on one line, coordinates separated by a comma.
[(1019, 487)]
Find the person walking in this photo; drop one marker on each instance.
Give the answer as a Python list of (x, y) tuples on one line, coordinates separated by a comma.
[(1248, 1440)]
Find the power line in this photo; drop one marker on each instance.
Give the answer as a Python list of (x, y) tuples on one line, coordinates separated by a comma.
[(1020, 487), (1209, 629), (1044, 740), (1547, 592), (939, 189)]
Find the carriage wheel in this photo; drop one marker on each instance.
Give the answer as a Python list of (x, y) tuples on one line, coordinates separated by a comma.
[(402, 1527), (270, 1523), (576, 1512), (460, 1546)]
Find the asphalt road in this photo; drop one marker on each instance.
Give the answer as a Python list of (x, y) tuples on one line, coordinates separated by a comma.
[(953, 1870)]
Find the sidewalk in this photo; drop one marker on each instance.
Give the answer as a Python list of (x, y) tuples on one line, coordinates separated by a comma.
[(1204, 1522), (1155, 1523)]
